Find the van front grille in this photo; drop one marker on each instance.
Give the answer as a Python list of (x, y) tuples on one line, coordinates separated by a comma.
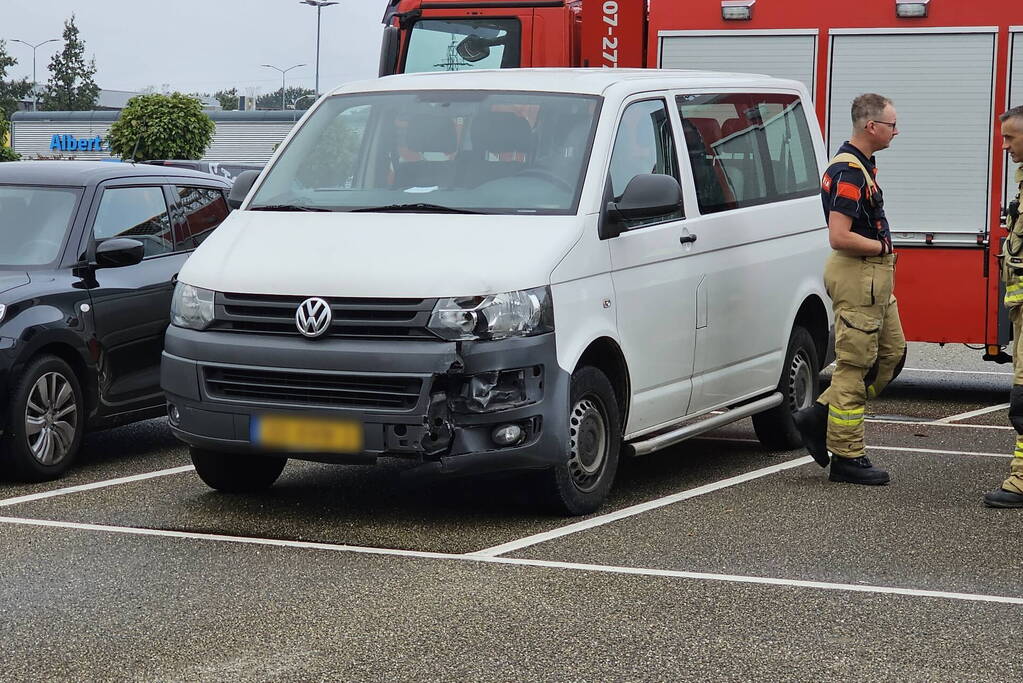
[(356, 318), (309, 388)]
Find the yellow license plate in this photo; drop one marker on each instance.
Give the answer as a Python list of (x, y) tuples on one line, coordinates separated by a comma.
[(308, 434)]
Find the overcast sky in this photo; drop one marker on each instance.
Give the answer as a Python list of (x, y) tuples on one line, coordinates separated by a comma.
[(201, 45)]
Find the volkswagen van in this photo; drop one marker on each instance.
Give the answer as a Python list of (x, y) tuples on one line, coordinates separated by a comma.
[(540, 270)]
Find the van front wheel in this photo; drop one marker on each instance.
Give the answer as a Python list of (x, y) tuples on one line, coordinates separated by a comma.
[(799, 386), (233, 473), (579, 484)]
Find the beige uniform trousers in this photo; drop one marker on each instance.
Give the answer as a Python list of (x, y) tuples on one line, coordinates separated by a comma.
[(1015, 481), (869, 343)]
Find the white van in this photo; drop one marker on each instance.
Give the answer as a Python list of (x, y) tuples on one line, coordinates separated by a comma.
[(509, 270)]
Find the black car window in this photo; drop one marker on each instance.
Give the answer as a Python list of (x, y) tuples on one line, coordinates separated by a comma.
[(204, 208), (136, 212), (34, 222)]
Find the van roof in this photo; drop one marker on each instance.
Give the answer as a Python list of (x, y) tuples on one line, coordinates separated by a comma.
[(584, 81)]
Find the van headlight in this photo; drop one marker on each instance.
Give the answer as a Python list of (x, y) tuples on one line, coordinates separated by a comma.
[(495, 316), (191, 307)]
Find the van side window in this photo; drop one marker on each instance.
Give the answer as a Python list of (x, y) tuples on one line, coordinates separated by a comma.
[(748, 149), (203, 209), (644, 144), (136, 212)]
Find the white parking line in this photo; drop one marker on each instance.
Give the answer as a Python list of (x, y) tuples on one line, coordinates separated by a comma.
[(932, 423), (95, 485), (636, 509), (972, 413), (472, 557)]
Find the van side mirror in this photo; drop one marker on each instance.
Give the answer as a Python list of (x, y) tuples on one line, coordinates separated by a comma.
[(473, 49), (389, 51), (242, 184), (119, 252), (648, 195)]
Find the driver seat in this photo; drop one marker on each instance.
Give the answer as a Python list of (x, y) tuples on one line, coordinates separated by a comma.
[(502, 142)]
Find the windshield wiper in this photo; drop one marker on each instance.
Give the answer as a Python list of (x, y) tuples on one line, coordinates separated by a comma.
[(286, 207), (413, 208)]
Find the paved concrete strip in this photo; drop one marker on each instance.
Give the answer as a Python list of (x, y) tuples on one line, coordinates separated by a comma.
[(634, 510), (959, 425), (881, 448), (958, 372), (572, 566), (94, 485), (972, 413)]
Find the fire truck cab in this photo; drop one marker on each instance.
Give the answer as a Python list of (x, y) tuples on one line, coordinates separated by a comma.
[(951, 67)]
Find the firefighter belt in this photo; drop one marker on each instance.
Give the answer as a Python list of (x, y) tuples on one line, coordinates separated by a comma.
[(870, 347)]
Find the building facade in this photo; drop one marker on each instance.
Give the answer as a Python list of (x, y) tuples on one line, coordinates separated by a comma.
[(240, 136)]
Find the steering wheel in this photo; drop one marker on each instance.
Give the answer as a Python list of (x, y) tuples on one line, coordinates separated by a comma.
[(549, 176)]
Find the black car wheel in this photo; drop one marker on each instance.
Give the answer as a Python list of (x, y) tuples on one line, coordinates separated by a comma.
[(46, 419)]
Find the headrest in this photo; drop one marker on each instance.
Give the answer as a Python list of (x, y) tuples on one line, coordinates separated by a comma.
[(501, 131), (710, 129), (432, 133), (732, 126)]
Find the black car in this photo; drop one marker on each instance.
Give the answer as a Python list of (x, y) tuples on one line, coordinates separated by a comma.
[(89, 254)]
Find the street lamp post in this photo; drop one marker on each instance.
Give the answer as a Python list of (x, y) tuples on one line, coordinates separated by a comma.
[(283, 71), (319, 5), (35, 96)]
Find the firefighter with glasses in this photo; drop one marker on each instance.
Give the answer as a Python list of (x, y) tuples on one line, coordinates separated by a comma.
[(1010, 494), (870, 348)]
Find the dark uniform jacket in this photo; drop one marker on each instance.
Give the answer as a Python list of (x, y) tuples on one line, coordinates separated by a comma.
[(845, 189)]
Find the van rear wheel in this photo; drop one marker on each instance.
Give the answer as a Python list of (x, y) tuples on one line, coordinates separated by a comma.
[(234, 473), (579, 484), (799, 386)]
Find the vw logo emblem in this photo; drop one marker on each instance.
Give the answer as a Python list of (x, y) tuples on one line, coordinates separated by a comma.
[(313, 317)]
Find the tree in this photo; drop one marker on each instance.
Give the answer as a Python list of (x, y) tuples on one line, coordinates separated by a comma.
[(161, 127), (291, 98), (228, 99), (70, 87), (10, 93)]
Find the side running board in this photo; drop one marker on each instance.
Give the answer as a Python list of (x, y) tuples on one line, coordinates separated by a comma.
[(665, 439)]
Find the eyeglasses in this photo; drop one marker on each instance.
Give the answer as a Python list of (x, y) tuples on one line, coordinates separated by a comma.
[(892, 124)]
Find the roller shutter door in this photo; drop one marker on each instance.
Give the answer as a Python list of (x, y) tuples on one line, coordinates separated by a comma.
[(936, 173), (785, 56), (1015, 100)]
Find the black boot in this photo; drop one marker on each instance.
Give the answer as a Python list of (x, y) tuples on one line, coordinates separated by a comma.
[(812, 423), (1003, 499), (857, 471)]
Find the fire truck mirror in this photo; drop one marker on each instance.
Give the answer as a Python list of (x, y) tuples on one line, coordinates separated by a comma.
[(473, 49)]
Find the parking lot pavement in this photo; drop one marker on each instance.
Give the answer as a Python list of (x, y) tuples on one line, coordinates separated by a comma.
[(114, 607), (712, 560)]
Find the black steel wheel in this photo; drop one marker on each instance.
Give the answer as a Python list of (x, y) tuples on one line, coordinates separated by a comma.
[(799, 387)]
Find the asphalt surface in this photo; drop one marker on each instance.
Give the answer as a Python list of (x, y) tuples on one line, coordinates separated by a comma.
[(346, 573)]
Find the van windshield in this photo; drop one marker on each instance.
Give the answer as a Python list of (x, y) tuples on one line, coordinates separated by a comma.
[(34, 222), (458, 151)]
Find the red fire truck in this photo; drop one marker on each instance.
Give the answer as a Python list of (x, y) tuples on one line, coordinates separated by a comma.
[(951, 67)]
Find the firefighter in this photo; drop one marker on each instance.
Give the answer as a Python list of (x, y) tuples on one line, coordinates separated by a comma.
[(870, 347), (1010, 494)]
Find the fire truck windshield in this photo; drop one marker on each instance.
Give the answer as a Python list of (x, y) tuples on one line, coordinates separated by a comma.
[(461, 150), (463, 44)]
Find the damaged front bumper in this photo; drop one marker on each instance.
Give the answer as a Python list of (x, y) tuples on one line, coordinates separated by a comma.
[(454, 407)]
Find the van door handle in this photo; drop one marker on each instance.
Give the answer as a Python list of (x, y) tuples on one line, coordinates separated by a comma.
[(687, 239)]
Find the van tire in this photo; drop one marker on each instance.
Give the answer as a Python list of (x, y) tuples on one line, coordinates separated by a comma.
[(48, 393), (799, 386), (579, 484), (234, 473)]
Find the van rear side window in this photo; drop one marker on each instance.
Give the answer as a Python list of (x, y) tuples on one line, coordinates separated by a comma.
[(748, 149)]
